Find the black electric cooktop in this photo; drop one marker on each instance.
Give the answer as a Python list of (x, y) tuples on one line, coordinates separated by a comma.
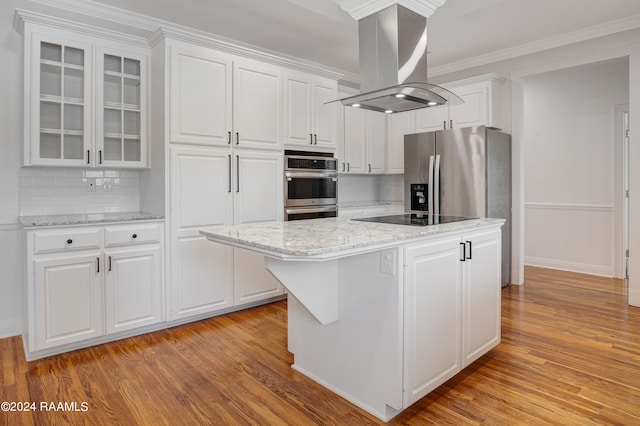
[(414, 219)]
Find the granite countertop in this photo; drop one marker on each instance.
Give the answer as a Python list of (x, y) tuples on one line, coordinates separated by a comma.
[(327, 238), (85, 219)]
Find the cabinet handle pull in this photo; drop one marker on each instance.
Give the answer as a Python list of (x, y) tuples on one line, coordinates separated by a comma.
[(369, 167), (315, 136), (237, 173), (229, 139), (464, 252), (100, 156), (134, 236), (348, 167), (229, 172), (310, 139), (237, 138), (444, 124), (469, 256), (109, 263), (344, 167), (451, 124), (69, 241), (88, 157), (98, 263)]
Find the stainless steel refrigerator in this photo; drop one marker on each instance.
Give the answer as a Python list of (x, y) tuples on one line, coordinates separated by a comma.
[(461, 172)]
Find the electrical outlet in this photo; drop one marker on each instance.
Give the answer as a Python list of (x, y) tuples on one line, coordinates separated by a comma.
[(388, 261)]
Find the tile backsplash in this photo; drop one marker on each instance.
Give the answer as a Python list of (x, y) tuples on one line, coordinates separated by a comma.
[(49, 191)]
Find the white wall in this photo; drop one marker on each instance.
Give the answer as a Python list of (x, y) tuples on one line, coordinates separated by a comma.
[(569, 166), (10, 159)]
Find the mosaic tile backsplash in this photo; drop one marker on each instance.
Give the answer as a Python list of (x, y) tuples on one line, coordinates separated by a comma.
[(48, 191)]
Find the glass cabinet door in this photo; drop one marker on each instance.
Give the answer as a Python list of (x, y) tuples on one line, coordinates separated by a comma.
[(62, 105), (121, 137)]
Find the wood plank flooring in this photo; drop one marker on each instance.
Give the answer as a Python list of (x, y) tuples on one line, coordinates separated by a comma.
[(570, 355)]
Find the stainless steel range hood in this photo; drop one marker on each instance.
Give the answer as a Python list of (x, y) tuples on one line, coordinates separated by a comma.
[(393, 64)]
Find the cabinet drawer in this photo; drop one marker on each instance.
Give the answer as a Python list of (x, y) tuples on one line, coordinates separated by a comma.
[(132, 234), (66, 240)]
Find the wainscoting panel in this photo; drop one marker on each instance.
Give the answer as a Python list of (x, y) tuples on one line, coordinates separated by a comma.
[(571, 237)]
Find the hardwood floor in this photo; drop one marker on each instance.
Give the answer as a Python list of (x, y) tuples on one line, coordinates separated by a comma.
[(570, 354)]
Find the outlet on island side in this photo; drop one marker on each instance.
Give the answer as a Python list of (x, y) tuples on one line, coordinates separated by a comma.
[(388, 261)]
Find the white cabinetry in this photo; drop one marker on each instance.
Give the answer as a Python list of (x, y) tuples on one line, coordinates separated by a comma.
[(70, 76), (87, 282), (310, 122), (217, 99), (484, 105), (364, 141), (453, 283), (213, 186), (398, 125)]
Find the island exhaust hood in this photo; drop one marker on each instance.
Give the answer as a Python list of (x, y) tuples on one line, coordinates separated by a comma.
[(393, 64)]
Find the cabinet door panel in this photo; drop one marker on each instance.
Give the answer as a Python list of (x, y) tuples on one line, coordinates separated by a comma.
[(202, 276), (325, 114), (481, 295), (432, 317), (257, 106), (259, 187), (376, 141), (58, 90), (474, 110), (252, 280), (398, 125), (200, 187), (430, 119), (298, 111), (68, 300), (200, 93), (355, 140), (133, 289)]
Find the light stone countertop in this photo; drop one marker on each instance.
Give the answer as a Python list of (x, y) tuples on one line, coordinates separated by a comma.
[(85, 219), (330, 237)]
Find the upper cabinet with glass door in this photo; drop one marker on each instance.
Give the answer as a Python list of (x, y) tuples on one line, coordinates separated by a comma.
[(121, 110), (59, 131), (85, 104)]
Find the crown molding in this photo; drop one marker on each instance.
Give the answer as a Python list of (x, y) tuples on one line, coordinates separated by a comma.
[(359, 9), (233, 47), (601, 30), (22, 17), (492, 77), (97, 19)]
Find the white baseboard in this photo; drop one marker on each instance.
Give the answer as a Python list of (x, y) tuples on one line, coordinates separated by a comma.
[(563, 265), (10, 328)]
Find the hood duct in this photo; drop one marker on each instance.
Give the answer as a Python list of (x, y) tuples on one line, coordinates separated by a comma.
[(393, 64)]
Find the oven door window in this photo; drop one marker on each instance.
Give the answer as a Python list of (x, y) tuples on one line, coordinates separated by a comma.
[(311, 190)]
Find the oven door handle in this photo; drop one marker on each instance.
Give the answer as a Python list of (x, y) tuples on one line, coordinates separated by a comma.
[(313, 209), (312, 175)]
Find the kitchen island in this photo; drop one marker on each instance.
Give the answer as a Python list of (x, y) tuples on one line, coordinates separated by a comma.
[(382, 314)]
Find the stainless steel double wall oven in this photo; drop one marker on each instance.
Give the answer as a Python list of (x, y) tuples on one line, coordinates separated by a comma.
[(310, 185)]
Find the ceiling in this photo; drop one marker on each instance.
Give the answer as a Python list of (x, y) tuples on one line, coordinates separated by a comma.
[(321, 32)]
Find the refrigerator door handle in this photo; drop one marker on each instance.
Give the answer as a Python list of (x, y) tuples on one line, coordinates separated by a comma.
[(436, 189), (430, 205)]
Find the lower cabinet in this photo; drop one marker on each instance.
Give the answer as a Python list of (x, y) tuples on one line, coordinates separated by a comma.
[(67, 299), (87, 282), (210, 187), (452, 308)]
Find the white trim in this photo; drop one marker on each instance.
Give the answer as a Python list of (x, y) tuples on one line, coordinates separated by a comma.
[(583, 268), (142, 30), (595, 31), (359, 9), (10, 227), (567, 206)]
